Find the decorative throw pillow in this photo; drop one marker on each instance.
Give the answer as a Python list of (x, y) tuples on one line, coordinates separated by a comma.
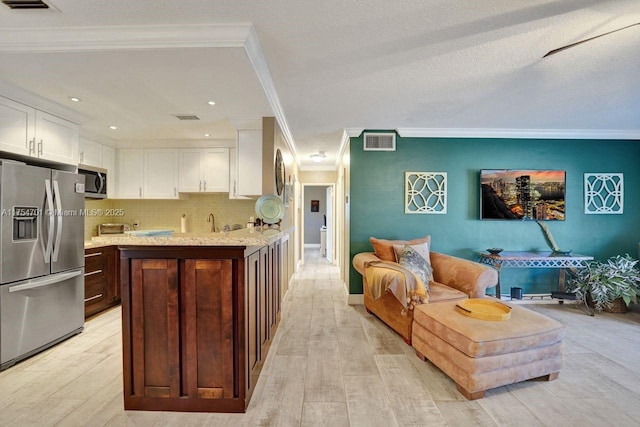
[(422, 249), (384, 248), (414, 262)]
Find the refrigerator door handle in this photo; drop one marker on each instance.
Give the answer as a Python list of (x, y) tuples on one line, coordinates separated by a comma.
[(43, 281), (48, 249), (56, 245)]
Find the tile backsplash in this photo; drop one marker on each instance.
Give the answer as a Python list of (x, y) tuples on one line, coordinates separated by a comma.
[(153, 214)]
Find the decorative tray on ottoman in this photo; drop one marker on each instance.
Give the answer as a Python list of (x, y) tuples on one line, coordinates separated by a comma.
[(484, 309)]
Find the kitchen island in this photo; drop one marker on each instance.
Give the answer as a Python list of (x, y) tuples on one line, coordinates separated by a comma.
[(199, 312)]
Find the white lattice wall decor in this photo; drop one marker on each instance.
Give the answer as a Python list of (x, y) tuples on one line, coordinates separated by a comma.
[(603, 193), (425, 193)]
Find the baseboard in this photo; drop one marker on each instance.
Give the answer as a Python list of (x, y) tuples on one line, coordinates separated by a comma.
[(355, 299)]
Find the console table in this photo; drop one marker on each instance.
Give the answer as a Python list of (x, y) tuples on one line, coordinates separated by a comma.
[(545, 259)]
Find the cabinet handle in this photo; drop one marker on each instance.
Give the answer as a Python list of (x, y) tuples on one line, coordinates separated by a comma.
[(93, 297), (92, 273), (140, 191), (235, 191), (175, 192), (205, 185), (81, 156), (32, 146), (200, 186), (93, 254), (40, 148)]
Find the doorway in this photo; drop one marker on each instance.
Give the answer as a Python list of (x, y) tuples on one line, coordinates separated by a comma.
[(318, 225)]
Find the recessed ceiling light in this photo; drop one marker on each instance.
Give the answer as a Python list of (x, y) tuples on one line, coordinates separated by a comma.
[(112, 127), (74, 99), (207, 135), (211, 102)]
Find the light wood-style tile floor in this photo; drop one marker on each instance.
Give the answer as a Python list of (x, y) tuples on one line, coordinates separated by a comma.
[(334, 365)]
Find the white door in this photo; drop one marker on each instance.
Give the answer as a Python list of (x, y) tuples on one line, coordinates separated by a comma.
[(330, 231), (56, 139), (17, 127), (161, 174), (90, 153), (109, 163), (190, 171), (215, 170), (130, 173), (249, 163)]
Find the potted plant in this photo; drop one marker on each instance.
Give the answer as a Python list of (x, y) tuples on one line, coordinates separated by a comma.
[(611, 285)]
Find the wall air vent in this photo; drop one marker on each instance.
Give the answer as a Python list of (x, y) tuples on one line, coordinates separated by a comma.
[(187, 117), (379, 142), (25, 4)]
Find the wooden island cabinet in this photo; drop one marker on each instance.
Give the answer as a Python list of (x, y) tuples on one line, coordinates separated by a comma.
[(197, 323), (101, 287)]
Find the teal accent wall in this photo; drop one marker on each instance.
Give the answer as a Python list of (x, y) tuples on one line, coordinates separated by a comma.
[(377, 199)]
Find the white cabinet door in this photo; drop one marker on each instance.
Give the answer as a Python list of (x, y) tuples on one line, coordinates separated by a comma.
[(161, 174), (90, 153), (204, 170), (56, 139), (249, 163), (215, 170), (130, 177), (190, 170), (109, 163), (17, 127)]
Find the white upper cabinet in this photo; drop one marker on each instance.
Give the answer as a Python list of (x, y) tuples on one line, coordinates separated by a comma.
[(215, 170), (30, 132), (248, 177), (190, 167), (109, 163), (90, 153), (130, 179), (161, 174), (56, 138), (17, 127), (204, 170)]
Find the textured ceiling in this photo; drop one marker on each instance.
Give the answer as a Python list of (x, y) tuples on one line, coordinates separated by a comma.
[(423, 64)]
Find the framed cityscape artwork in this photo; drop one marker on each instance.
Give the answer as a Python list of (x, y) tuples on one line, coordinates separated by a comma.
[(522, 194)]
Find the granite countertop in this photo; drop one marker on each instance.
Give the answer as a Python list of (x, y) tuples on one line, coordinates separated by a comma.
[(88, 244), (243, 237)]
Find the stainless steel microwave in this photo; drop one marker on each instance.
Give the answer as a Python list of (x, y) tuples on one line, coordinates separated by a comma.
[(95, 184)]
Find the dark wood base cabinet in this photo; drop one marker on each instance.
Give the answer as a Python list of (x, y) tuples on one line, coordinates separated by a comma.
[(101, 287), (197, 324)]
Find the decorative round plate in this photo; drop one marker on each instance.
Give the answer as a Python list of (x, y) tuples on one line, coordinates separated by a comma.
[(484, 309), (270, 208)]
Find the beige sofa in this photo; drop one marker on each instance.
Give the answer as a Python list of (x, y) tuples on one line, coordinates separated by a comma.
[(454, 279)]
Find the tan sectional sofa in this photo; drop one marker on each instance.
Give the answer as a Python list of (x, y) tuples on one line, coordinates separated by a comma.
[(454, 279)]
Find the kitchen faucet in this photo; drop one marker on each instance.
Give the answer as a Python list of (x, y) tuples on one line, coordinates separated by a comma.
[(212, 220)]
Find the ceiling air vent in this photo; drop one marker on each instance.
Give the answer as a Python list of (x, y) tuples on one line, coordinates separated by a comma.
[(379, 142), (187, 117), (25, 4)]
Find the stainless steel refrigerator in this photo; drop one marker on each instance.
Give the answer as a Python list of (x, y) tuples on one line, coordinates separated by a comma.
[(41, 259)]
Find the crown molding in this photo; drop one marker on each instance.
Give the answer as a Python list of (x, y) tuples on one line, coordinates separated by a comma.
[(354, 132), (343, 146), (518, 133), (261, 67), (70, 39)]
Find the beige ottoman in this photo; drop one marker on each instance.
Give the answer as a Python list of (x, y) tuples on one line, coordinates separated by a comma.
[(482, 354)]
